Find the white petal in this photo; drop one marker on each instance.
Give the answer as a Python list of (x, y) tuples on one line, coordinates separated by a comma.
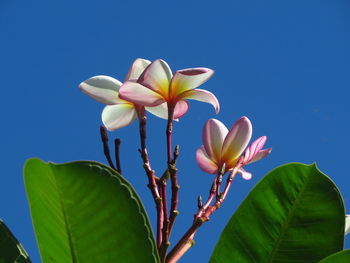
[(138, 94), (347, 224), (204, 96), (204, 161), (157, 77), (214, 133), (236, 140), (137, 68), (160, 111), (118, 116), (188, 79), (104, 89)]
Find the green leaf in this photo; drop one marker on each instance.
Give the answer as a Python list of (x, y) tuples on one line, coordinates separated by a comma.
[(11, 251), (84, 212), (294, 214), (340, 257)]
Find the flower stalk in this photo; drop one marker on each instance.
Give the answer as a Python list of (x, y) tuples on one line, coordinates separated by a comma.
[(117, 143), (104, 138), (202, 216), (152, 180)]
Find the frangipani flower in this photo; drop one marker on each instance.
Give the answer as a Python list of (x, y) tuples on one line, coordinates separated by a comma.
[(157, 85), (225, 147), (118, 112)]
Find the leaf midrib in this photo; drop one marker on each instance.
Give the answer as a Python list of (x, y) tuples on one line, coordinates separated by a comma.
[(285, 226), (65, 219)]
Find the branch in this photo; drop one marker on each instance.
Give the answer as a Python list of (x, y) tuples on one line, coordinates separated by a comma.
[(117, 143), (203, 214), (152, 180), (174, 190), (104, 138)]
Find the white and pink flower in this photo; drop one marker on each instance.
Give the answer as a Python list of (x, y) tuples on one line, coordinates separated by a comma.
[(119, 112), (223, 147), (157, 85)]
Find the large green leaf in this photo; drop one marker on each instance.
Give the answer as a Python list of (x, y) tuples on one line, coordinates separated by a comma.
[(11, 251), (340, 257), (85, 212), (295, 214)]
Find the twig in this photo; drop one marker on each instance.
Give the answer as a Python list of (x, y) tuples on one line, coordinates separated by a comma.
[(174, 190), (152, 180), (104, 138), (202, 215), (117, 143), (169, 133)]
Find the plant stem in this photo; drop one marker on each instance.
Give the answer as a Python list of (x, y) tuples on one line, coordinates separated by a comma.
[(104, 138), (162, 187), (203, 214), (174, 197), (152, 180), (182, 251), (171, 169), (169, 133), (117, 143), (174, 253)]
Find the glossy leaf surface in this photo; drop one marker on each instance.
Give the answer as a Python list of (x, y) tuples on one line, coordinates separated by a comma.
[(294, 214), (84, 212)]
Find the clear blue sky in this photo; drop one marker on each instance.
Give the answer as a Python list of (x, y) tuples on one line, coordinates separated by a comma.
[(284, 64)]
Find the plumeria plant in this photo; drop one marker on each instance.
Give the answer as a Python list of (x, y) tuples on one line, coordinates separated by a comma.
[(86, 212)]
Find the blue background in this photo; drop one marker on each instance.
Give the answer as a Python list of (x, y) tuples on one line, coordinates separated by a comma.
[(284, 64)]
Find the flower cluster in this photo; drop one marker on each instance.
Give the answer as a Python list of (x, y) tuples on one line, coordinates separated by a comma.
[(153, 86)]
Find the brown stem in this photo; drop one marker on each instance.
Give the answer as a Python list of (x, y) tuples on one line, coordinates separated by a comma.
[(211, 196), (202, 215), (117, 143), (164, 245), (104, 138), (182, 251), (174, 197), (173, 171), (182, 242), (229, 182), (169, 132), (152, 180), (219, 181)]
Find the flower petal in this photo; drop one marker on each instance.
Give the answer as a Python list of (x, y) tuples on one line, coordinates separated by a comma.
[(160, 111), (104, 89), (139, 94), (188, 79), (181, 108), (157, 77), (245, 175), (254, 149), (347, 224), (118, 116), (214, 133), (236, 140), (136, 69), (204, 161), (260, 155), (204, 96)]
